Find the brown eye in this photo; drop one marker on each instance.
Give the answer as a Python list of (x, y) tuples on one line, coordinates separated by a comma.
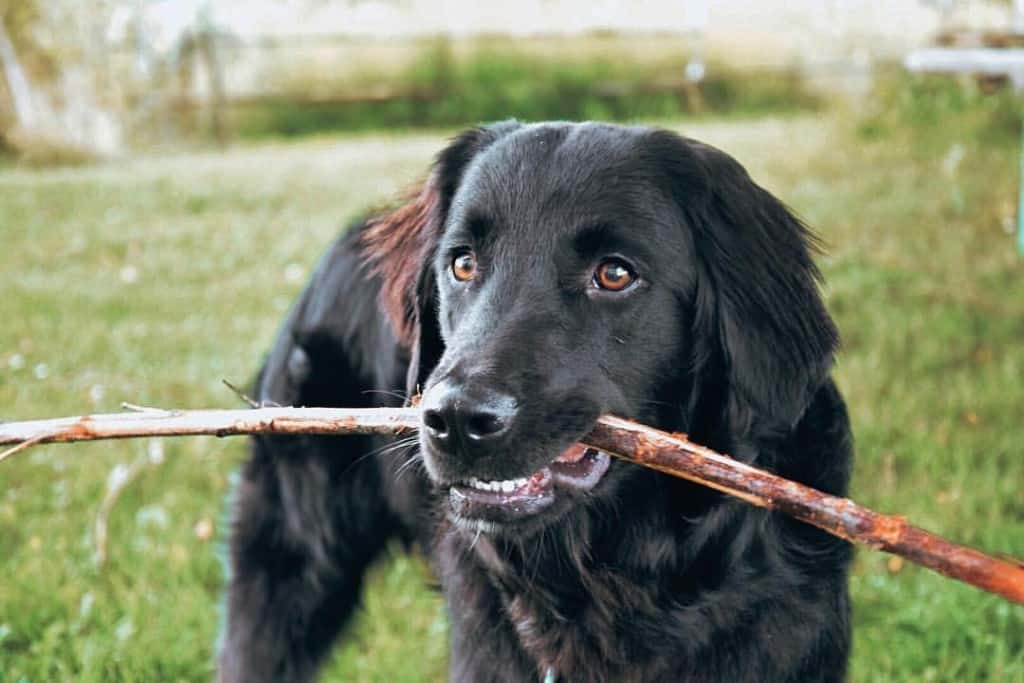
[(613, 275), (464, 266)]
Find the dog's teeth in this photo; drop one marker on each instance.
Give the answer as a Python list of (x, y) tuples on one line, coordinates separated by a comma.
[(505, 486)]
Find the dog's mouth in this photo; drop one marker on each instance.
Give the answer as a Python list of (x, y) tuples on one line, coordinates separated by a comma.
[(579, 468)]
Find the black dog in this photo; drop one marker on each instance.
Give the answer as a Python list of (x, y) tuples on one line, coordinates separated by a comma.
[(544, 275)]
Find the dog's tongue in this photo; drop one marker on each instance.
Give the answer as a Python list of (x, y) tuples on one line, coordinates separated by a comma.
[(580, 467), (573, 453)]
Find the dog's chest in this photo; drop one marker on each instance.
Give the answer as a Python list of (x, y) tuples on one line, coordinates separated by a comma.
[(557, 642), (585, 635), (572, 622)]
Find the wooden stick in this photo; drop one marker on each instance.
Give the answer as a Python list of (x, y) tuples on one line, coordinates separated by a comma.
[(676, 455), (156, 422), (672, 454)]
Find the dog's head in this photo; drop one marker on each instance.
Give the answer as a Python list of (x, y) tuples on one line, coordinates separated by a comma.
[(546, 274)]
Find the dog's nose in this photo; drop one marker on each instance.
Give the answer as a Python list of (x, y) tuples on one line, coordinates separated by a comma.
[(455, 412)]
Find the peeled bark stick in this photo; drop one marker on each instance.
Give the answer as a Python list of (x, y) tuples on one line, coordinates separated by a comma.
[(158, 422), (672, 454)]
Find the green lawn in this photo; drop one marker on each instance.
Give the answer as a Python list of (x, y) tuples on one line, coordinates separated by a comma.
[(151, 280)]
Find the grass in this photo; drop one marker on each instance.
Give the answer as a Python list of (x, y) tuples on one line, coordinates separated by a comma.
[(151, 280)]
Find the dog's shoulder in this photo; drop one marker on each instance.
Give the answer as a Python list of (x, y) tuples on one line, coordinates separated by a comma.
[(335, 334)]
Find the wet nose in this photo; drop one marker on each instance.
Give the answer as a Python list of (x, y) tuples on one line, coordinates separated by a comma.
[(458, 413)]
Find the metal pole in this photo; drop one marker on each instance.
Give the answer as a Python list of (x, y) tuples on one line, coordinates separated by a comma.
[(1020, 194), (1018, 83)]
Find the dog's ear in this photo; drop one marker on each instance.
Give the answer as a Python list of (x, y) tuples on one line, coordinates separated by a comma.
[(396, 245), (756, 295), (400, 248)]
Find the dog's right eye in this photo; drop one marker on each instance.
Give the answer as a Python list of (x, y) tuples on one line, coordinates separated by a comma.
[(464, 266), (614, 275)]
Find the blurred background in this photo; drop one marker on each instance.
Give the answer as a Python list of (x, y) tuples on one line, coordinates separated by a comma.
[(170, 172)]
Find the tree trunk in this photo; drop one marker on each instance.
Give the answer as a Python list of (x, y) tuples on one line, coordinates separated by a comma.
[(17, 82), (206, 43)]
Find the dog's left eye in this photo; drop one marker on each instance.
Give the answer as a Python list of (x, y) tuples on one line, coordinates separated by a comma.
[(464, 266), (614, 275)]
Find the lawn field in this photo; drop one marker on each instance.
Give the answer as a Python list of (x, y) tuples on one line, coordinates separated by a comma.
[(151, 280)]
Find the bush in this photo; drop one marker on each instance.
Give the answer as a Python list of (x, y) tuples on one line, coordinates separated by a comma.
[(440, 90), (928, 107)]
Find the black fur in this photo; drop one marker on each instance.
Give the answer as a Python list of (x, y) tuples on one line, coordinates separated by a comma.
[(645, 578)]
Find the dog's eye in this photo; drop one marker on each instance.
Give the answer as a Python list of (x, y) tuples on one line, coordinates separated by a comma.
[(614, 275), (464, 266)]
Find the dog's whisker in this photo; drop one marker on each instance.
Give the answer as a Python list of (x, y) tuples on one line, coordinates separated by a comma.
[(412, 462), (389, 448), (386, 449), (400, 395), (542, 545), (397, 445), (476, 537)]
